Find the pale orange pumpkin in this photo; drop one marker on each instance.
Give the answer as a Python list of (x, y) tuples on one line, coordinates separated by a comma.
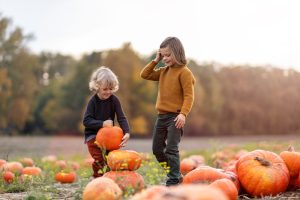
[(61, 164), (292, 161), (227, 186), (262, 173), (109, 138), (127, 179), (74, 165), (102, 188), (192, 192), (150, 193), (2, 162), (34, 171), (27, 162), (64, 177), (14, 166), (124, 160)]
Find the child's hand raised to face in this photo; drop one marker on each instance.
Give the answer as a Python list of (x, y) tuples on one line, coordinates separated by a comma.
[(158, 57), (125, 140)]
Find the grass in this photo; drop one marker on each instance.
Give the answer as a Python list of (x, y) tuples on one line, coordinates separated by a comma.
[(44, 187)]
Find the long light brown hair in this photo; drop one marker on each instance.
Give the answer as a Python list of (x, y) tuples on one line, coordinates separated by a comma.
[(176, 48)]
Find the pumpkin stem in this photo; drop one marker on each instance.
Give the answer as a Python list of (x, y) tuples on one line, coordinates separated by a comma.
[(262, 161), (291, 148)]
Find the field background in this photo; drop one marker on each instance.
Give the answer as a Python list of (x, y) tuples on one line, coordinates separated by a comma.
[(69, 146)]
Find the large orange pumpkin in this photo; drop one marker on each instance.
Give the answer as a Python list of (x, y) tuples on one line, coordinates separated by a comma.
[(102, 188), (64, 177), (262, 173), (227, 186), (109, 138), (127, 179), (124, 160), (292, 161)]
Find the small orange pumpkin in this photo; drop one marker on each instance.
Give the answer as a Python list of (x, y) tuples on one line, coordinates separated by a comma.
[(109, 138), (292, 161), (74, 165), (27, 162), (124, 160), (262, 173), (64, 177), (61, 164), (102, 188), (8, 176)]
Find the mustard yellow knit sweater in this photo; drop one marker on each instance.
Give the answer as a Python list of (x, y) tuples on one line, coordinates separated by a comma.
[(176, 87)]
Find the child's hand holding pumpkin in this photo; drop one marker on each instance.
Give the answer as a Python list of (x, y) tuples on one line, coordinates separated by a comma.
[(108, 123), (125, 140)]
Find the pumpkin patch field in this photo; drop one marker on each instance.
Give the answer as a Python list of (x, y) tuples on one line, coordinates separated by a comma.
[(225, 169)]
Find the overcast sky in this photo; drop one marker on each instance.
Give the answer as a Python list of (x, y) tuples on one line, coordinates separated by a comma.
[(256, 32)]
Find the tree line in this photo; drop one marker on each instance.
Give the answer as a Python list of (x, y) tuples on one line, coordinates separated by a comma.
[(46, 93)]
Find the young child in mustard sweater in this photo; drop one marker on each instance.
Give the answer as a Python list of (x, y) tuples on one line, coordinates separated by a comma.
[(174, 102)]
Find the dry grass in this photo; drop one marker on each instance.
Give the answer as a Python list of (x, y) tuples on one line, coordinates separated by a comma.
[(69, 147)]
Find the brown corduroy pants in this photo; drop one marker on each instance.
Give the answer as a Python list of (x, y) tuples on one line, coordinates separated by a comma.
[(99, 165)]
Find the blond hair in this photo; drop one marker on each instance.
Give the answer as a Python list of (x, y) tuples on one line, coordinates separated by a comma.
[(103, 77), (176, 48)]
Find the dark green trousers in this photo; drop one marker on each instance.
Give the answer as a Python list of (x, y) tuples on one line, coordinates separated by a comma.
[(166, 138)]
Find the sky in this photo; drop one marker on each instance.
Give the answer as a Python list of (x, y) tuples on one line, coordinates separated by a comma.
[(253, 32)]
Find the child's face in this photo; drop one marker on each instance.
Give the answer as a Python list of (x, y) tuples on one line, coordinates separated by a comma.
[(167, 57), (105, 92)]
